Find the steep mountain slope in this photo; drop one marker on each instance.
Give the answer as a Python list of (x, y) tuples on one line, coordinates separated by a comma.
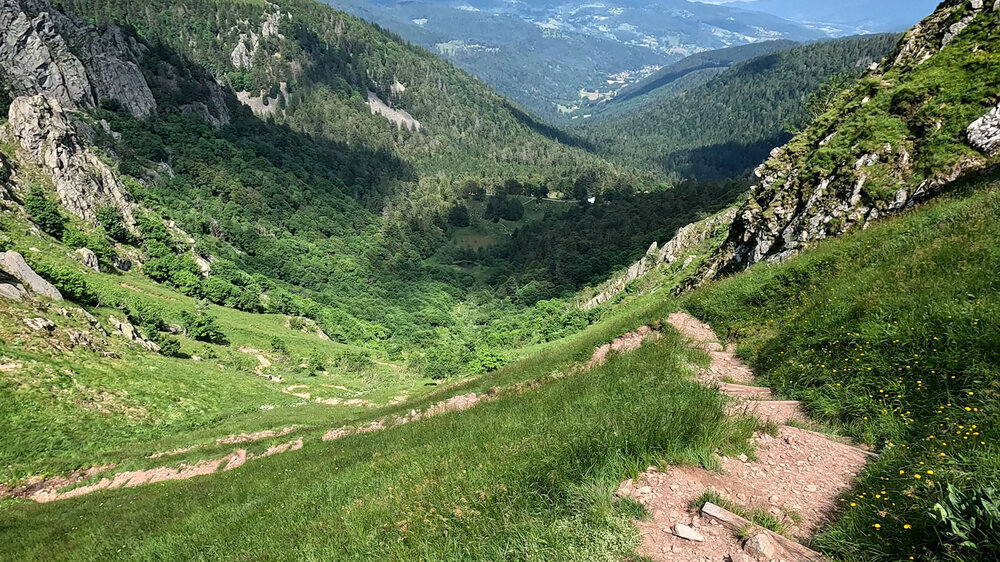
[(548, 55), (923, 118), (712, 61), (728, 124), (329, 74), (537, 68), (128, 135)]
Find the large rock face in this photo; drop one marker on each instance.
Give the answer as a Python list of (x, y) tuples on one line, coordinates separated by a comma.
[(82, 181), (45, 51), (898, 137)]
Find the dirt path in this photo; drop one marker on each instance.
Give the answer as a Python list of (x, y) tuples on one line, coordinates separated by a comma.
[(797, 476)]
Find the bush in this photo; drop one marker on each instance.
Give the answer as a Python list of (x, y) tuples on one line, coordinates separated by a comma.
[(111, 219), (70, 283), (6, 244), (278, 345), (74, 238), (187, 283), (169, 346), (202, 327), (45, 213), (487, 360)]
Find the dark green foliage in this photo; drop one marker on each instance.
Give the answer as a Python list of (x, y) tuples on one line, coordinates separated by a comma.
[(70, 282), (202, 326), (6, 244), (169, 346), (111, 219), (458, 216), (278, 345), (503, 207), (487, 360), (970, 519), (44, 212)]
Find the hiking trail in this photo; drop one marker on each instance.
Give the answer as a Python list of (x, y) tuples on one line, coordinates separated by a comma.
[(797, 477)]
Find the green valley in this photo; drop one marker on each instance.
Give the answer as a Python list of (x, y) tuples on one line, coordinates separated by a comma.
[(276, 284)]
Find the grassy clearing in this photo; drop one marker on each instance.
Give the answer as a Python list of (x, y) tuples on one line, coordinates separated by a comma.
[(527, 476), (892, 335)]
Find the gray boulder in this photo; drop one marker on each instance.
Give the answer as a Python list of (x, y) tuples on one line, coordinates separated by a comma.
[(89, 259), (13, 264)]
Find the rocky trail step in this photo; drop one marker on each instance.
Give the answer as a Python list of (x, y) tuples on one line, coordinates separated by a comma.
[(744, 391), (796, 476)]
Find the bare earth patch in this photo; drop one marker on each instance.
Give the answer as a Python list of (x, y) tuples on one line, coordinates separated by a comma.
[(797, 476), (623, 344)]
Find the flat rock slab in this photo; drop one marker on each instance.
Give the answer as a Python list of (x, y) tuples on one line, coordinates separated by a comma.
[(780, 412), (744, 391)]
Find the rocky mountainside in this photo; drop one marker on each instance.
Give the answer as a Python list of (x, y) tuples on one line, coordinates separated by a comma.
[(915, 123), (912, 125)]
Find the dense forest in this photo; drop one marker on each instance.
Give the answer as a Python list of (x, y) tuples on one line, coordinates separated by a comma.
[(728, 125)]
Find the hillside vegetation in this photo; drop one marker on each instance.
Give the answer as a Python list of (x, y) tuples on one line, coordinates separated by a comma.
[(729, 124)]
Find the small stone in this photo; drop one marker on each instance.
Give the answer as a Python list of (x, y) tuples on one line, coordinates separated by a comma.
[(761, 547), (743, 458), (739, 557), (683, 531), (645, 490), (811, 488), (775, 500)]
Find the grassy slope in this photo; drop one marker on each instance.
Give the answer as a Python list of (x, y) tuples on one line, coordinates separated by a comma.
[(51, 410), (891, 334), (529, 475)]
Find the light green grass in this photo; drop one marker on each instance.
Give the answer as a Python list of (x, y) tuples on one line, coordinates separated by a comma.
[(530, 475)]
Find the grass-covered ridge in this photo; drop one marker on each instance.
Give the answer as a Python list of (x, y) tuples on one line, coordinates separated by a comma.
[(891, 335)]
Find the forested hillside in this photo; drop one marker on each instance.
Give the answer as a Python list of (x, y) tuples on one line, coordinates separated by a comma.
[(728, 125)]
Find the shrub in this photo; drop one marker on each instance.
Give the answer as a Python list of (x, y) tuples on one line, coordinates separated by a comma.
[(111, 219), (45, 213), (487, 360), (278, 345), (169, 346), (70, 283), (202, 327), (6, 244), (73, 238), (187, 283)]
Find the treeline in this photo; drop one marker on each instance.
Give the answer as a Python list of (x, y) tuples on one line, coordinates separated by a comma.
[(582, 244)]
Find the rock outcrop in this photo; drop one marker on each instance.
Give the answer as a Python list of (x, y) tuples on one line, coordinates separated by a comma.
[(984, 133), (82, 181), (89, 258), (679, 247), (861, 160), (18, 280), (45, 51), (125, 329)]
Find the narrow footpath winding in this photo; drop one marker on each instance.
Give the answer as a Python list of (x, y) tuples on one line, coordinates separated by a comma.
[(797, 477)]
